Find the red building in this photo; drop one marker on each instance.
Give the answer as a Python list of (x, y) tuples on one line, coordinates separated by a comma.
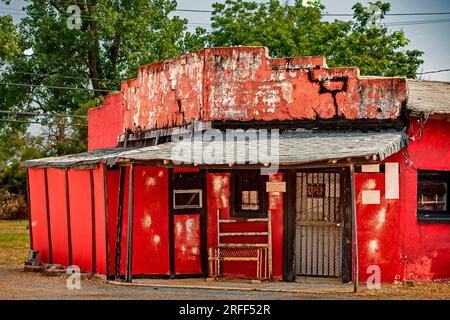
[(228, 162)]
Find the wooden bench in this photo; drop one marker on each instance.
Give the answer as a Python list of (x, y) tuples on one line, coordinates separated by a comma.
[(260, 252)]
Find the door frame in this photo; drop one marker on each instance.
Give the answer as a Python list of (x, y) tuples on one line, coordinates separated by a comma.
[(289, 218), (203, 229)]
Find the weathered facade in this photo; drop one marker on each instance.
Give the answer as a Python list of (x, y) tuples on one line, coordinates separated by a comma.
[(133, 206)]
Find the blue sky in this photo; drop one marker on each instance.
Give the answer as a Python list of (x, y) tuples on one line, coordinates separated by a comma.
[(432, 38)]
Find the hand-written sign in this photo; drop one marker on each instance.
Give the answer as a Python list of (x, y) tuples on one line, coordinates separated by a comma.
[(276, 186), (315, 189)]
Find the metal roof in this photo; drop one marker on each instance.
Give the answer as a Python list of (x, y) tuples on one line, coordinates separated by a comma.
[(293, 147), (428, 97)]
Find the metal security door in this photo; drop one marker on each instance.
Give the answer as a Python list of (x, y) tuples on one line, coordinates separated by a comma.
[(318, 235)]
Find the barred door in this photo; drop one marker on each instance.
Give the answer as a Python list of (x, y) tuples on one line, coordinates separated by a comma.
[(318, 235)]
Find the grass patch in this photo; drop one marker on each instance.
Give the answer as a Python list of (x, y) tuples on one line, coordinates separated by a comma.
[(14, 242)]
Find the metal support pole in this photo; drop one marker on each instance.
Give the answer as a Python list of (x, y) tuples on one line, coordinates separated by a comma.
[(128, 274), (355, 229)]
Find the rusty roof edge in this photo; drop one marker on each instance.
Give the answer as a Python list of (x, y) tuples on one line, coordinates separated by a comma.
[(113, 156), (394, 147)]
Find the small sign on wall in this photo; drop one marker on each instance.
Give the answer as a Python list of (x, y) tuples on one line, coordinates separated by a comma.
[(276, 186), (315, 190), (370, 197), (392, 180)]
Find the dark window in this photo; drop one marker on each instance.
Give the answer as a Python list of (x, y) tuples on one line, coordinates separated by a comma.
[(250, 198), (433, 196), (187, 191), (187, 199)]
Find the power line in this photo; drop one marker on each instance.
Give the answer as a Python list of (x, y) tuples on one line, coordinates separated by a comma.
[(60, 76), (211, 11), (417, 22), (434, 71), (53, 87), (391, 14), (32, 114), (393, 23), (41, 123)]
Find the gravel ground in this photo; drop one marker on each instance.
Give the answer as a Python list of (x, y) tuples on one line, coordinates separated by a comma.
[(17, 284)]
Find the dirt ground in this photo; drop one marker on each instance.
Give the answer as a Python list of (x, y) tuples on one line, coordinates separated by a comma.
[(17, 284)]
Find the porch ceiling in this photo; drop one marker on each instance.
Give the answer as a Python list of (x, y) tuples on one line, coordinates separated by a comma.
[(294, 147)]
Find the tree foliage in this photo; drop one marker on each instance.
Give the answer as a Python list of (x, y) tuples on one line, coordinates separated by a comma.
[(300, 30), (112, 39)]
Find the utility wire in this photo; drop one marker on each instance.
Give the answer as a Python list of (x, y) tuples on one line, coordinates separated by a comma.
[(32, 114), (59, 76), (52, 87), (393, 23), (88, 17), (434, 71), (41, 123), (325, 13)]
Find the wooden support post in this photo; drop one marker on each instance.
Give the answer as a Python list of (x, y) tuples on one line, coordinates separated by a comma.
[(47, 208), (94, 252), (119, 222), (30, 222), (129, 270), (69, 229), (105, 204), (269, 230), (355, 228)]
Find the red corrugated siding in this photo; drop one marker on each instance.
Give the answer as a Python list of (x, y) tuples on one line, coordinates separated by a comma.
[(100, 227), (39, 213), (112, 183), (58, 215), (81, 218)]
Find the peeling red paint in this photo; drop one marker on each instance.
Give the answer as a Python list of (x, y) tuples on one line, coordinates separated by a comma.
[(378, 229), (390, 234), (243, 83), (187, 244)]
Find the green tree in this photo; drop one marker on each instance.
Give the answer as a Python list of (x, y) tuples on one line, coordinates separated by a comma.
[(59, 61), (300, 30), (91, 50)]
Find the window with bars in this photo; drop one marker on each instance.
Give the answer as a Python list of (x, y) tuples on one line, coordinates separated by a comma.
[(249, 195), (433, 196)]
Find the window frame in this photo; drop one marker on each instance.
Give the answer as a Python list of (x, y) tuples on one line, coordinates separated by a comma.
[(183, 207), (236, 189), (433, 216), (182, 182)]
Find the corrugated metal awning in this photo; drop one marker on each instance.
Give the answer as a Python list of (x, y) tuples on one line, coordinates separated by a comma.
[(289, 148), (428, 97)]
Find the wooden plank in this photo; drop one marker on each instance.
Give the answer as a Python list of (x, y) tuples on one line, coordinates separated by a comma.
[(242, 245), (244, 220), (245, 234)]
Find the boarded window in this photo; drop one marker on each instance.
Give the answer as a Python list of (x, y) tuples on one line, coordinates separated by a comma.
[(433, 196)]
